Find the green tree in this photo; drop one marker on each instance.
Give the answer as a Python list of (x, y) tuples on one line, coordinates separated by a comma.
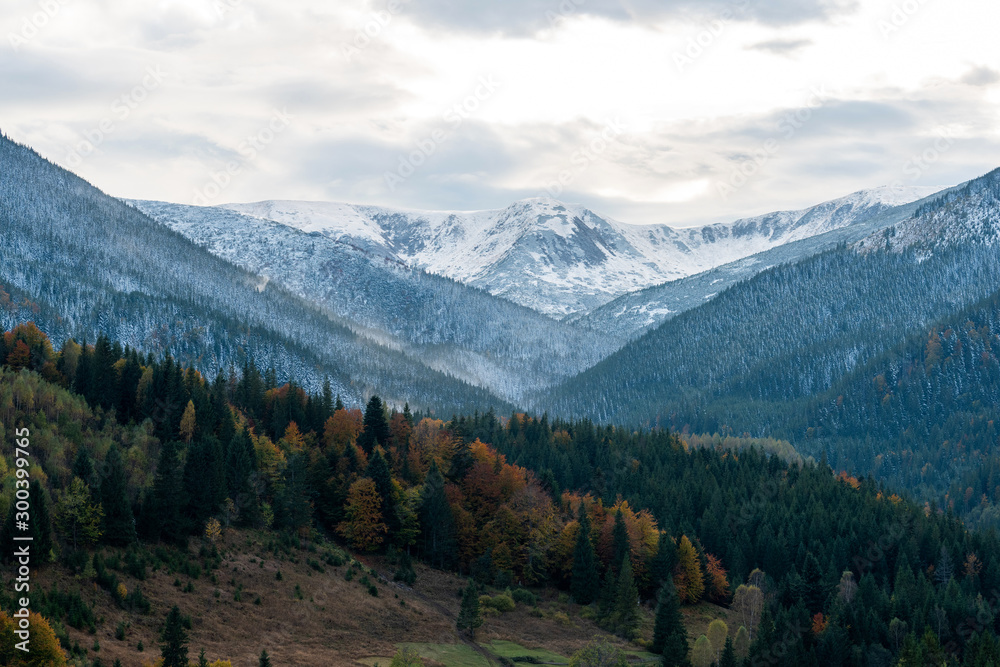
[(376, 430), (379, 472), (119, 521), (586, 582), (202, 660), (264, 660), (76, 516), (728, 658), (620, 543), (669, 634), (625, 612), (168, 495), (469, 616), (173, 650), (599, 653), (662, 567), (702, 654), (437, 521), (406, 657)]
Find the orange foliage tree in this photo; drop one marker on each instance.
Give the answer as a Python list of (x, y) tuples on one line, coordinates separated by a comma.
[(363, 527)]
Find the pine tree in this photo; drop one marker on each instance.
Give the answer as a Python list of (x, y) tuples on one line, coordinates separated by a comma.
[(665, 560), (376, 426), (728, 658), (202, 660), (265, 660), (469, 617), (379, 472), (586, 583), (173, 650), (437, 521), (626, 607), (669, 634), (621, 547), (168, 495), (119, 521)]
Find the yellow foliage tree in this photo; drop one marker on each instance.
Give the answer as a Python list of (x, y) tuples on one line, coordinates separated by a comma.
[(688, 578), (364, 526), (44, 649), (188, 422)]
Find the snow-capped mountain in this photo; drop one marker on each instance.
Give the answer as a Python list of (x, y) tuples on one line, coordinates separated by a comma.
[(967, 214), (563, 259)]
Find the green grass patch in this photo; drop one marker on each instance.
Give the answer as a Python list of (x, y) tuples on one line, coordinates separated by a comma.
[(505, 649), (453, 655)]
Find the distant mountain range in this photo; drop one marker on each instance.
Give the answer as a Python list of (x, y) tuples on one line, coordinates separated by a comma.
[(563, 259)]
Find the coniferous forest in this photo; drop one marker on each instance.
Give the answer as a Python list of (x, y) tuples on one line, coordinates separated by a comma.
[(816, 568)]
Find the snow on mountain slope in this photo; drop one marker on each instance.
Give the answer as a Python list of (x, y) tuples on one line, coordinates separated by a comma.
[(450, 327), (563, 259), (966, 214)]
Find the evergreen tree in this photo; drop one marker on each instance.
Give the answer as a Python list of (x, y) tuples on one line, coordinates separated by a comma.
[(669, 634), (376, 426), (119, 521), (469, 617), (665, 560), (168, 495), (378, 471), (586, 583), (202, 660), (437, 521), (728, 658), (265, 660), (625, 613), (620, 542), (173, 650)]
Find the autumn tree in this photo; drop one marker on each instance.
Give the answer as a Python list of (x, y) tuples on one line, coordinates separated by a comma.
[(702, 654), (188, 423), (363, 527), (44, 649), (586, 583), (717, 633), (748, 603), (77, 516), (688, 578), (717, 585)]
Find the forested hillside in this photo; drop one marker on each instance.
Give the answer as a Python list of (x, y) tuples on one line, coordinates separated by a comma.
[(818, 569), (81, 263), (443, 324)]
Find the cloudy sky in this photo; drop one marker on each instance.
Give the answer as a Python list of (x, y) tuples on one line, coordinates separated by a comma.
[(675, 111)]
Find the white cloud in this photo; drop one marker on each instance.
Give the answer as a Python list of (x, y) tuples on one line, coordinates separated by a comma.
[(231, 64)]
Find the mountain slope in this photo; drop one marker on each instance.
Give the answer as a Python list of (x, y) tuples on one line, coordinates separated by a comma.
[(485, 340), (631, 314), (563, 259), (789, 332), (79, 263)]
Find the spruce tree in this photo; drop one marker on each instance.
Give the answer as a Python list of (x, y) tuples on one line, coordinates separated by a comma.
[(626, 606), (437, 521), (378, 471), (202, 660), (728, 658), (119, 522), (668, 628), (620, 542), (469, 618), (174, 638), (265, 660), (168, 495), (586, 583), (376, 427), (662, 567)]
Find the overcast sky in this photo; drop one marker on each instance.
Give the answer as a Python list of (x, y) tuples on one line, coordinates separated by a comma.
[(666, 111)]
